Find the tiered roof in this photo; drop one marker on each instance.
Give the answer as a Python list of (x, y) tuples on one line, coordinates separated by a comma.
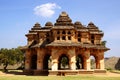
[(64, 22)]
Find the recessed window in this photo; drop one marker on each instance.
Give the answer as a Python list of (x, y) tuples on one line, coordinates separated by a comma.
[(58, 32), (58, 38), (69, 37), (35, 42), (69, 32), (79, 39), (47, 34), (63, 38), (79, 35), (63, 32), (92, 37), (92, 41), (48, 40)]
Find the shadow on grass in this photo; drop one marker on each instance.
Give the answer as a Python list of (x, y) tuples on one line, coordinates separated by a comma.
[(115, 71), (21, 72), (14, 72)]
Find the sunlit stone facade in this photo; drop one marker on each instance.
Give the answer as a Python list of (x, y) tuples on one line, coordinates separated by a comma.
[(49, 44)]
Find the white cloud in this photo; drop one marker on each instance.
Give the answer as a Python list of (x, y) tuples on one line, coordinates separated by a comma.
[(46, 10)]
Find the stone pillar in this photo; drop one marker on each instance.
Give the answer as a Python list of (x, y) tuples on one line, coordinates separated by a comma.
[(54, 60), (100, 61), (84, 63), (39, 59), (73, 63), (73, 36), (72, 59), (86, 59), (102, 64), (55, 38), (54, 65), (66, 35), (88, 64), (60, 35), (28, 60), (97, 63)]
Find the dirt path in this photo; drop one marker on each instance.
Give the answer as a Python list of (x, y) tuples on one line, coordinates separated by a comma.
[(108, 74), (4, 74)]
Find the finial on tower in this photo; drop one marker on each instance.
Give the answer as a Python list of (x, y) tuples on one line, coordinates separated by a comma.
[(63, 14)]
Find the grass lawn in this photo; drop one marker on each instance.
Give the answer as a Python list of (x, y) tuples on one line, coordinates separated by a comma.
[(12, 76), (88, 77), (115, 71)]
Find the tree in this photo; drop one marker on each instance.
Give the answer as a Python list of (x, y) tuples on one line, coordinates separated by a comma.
[(64, 61), (104, 43), (10, 57)]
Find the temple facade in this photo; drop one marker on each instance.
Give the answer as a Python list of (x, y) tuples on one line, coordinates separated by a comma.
[(64, 45)]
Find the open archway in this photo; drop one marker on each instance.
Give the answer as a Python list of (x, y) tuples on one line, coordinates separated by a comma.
[(34, 61), (47, 62), (63, 62), (92, 62), (79, 62)]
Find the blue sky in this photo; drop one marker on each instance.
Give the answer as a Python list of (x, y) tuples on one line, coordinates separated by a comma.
[(19, 16)]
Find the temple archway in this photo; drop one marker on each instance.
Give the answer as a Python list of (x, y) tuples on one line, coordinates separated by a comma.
[(34, 61), (92, 62), (63, 62), (47, 62), (79, 62)]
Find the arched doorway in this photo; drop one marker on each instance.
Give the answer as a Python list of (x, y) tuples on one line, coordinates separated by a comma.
[(92, 62), (63, 62), (34, 61), (47, 62), (79, 62)]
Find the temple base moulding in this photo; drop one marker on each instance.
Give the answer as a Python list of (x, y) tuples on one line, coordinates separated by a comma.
[(61, 72)]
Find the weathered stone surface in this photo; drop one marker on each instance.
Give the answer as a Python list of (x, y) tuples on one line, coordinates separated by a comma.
[(48, 45)]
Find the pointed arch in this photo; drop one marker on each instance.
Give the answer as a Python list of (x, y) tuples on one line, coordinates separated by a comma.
[(47, 62), (34, 61), (79, 61), (93, 62), (63, 62)]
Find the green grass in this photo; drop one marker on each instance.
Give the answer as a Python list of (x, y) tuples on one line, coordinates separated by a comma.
[(115, 71), (76, 77), (57, 78)]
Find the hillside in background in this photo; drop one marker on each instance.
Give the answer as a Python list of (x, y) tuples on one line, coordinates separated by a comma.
[(112, 63)]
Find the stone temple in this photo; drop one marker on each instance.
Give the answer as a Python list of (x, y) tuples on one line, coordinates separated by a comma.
[(51, 46)]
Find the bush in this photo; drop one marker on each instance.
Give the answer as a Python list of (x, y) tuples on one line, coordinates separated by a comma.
[(108, 69)]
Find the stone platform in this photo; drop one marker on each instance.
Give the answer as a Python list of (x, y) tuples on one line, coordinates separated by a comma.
[(61, 72)]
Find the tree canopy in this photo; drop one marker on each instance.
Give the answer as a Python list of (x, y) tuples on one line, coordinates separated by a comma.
[(10, 57), (104, 43)]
